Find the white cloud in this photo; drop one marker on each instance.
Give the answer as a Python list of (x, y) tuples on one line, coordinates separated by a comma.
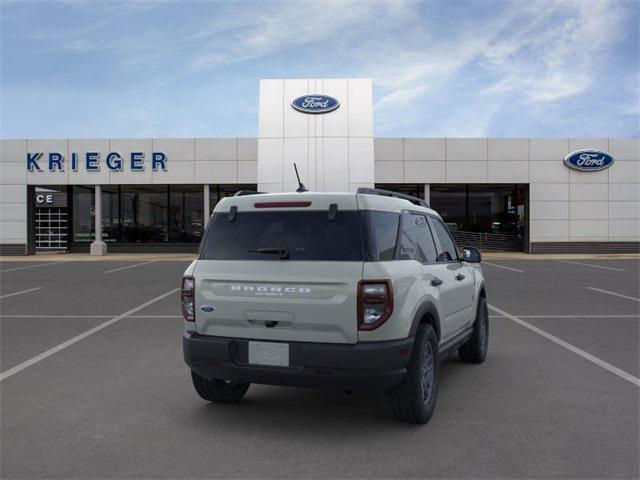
[(278, 27), (556, 56), (436, 70), (537, 53)]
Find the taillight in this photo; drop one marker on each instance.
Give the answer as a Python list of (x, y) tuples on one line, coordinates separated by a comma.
[(187, 299), (375, 303)]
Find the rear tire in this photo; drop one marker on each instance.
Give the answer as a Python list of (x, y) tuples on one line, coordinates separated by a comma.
[(414, 400), (475, 349), (219, 391)]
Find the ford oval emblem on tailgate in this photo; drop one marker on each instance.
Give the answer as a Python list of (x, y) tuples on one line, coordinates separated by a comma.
[(207, 308)]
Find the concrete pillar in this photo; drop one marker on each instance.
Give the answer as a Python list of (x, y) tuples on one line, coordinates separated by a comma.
[(207, 206), (98, 247), (427, 193)]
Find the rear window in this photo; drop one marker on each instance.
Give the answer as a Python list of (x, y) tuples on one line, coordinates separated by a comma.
[(308, 235)]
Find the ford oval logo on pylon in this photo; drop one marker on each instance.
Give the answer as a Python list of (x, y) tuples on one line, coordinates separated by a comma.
[(588, 160), (315, 104)]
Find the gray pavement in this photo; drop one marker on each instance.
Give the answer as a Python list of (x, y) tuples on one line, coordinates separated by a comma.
[(119, 403)]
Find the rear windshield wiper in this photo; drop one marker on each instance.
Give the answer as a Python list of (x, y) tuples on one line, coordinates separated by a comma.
[(283, 252)]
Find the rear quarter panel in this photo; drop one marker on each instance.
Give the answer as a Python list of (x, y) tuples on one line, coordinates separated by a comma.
[(409, 293)]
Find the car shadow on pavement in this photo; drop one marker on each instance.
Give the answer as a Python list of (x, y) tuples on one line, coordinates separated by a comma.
[(291, 411)]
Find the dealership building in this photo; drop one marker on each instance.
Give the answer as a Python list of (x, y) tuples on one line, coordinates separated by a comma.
[(156, 194)]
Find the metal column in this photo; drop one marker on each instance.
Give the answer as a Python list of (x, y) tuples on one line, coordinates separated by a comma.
[(207, 206), (98, 247)]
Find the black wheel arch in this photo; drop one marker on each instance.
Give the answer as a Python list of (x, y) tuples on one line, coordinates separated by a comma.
[(482, 293), (428, 314)]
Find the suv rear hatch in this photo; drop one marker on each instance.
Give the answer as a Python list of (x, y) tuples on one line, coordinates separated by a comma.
[(281, 267)]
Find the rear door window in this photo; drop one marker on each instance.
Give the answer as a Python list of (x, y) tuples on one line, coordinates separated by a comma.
[(448, 249), (416, 241), (308, 235)]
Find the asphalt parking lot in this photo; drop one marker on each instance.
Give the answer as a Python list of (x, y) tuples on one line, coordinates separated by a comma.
[(93, 385)]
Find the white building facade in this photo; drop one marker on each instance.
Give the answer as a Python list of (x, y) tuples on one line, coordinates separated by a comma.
[(157, 194)]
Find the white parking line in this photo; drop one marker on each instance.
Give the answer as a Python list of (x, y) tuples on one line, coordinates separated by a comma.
[(20, 292), (613, 293), (602, 267), (130, 266), (578, 351), (88, 316), (578, 316), (38, 358), (33, 266), (57, 316), (502, 266)]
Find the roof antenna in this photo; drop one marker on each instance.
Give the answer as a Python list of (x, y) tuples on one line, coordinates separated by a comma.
[(301, 187)]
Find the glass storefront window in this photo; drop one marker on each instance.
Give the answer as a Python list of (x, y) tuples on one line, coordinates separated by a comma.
[(450, 201), (496, 208), (110, 213), (218, 192), (144, 214), (82, 208), (490, 216), (186, 213)]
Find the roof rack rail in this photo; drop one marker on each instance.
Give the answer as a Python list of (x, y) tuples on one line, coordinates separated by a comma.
[(389, 193), (243, 193)]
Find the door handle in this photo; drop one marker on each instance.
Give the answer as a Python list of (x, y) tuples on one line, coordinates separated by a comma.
[(460, 277), (436, 282)]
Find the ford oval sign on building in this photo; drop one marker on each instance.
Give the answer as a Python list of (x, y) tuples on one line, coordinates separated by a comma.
[(315, 104), (588, 160)]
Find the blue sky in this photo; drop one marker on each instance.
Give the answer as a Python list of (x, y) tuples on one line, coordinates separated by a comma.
[(189, 69)]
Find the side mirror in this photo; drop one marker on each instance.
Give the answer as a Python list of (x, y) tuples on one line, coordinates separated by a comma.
[(471, 255)]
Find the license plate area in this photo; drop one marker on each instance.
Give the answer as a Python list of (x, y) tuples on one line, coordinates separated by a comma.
[(272, 354)]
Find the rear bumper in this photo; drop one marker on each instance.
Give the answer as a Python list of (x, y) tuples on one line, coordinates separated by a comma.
[(375, 366)]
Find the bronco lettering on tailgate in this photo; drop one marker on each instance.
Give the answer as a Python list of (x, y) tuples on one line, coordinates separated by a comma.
[(271, 290)]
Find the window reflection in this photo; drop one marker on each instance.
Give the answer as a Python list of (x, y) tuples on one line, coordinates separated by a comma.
[(82, 210), (484, 215), (146, 213), (186, 213), (110, 213), (497, 208)]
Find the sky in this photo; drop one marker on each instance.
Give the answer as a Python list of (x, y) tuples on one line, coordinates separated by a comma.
[(87, 69)]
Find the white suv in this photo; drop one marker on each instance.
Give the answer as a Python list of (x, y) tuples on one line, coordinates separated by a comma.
[(354, 291)]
